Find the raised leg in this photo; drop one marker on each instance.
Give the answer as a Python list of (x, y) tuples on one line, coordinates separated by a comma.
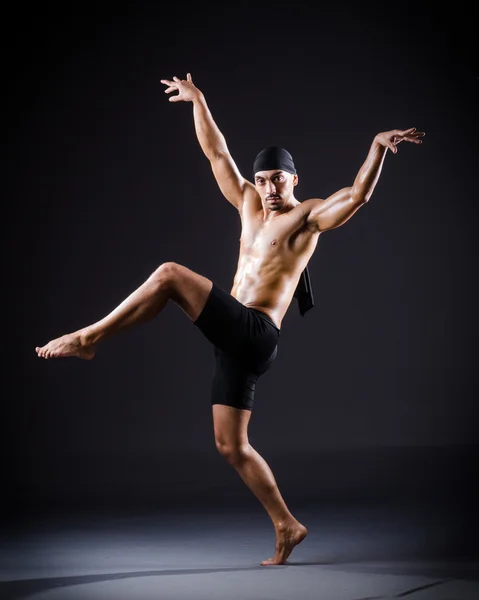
[(170, 281), (231, 436)]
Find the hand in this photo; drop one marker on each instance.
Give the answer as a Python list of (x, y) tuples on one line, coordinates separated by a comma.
[(390, 139), (187, 91)]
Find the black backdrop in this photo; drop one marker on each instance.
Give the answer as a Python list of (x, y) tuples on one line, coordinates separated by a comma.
[(105, 181)]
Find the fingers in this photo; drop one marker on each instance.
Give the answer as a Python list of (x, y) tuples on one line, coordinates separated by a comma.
[(176, 80), (172, 84), (405, 135), (410, 133), (414, 137), (417, 136)]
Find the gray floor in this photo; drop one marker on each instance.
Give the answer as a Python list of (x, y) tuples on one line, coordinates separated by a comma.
[(355, 553)]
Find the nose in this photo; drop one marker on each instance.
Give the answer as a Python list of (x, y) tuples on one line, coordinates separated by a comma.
[(270, 188)]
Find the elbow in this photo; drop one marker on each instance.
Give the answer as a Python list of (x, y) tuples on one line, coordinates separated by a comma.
[(218, 154), (359, 196)]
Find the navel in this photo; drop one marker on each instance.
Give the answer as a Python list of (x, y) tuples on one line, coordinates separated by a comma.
[(273, 243)]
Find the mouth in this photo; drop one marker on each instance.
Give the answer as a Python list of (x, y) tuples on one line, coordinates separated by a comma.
[(273, 199)]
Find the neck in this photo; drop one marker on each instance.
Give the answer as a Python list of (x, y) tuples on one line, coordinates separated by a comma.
[(268, 213)]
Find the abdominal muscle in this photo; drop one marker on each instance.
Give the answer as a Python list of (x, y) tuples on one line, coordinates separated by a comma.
[(266, 283)]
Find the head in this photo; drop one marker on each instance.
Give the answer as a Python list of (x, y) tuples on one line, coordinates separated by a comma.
[(275, 177)]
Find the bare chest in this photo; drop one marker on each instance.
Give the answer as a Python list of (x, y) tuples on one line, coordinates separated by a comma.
[(280, 235), (262, 238)]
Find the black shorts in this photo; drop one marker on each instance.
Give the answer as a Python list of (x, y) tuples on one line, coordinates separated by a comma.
[(245, 345)]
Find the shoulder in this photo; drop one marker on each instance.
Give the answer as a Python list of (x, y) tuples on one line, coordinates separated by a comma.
[(312, 203), (251, 199), (300, 215), (310, 206)]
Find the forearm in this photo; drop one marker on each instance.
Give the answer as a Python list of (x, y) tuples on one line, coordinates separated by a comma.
[(369, 173), (211, 140)]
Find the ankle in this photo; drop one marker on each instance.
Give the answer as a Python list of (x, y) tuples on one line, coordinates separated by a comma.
[(284, 523), (87, 337)]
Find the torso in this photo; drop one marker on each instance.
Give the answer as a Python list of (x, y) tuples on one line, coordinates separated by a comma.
[(273, 254)]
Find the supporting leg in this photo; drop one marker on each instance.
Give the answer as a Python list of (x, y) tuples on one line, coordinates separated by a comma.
[(231, 425)]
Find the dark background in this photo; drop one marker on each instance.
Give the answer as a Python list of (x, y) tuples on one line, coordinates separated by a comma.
[(374, 392)]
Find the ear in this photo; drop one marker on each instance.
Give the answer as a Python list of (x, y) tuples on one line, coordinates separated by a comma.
[(295, 179)]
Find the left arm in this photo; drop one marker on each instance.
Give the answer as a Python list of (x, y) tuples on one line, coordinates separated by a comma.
[(341, 206)]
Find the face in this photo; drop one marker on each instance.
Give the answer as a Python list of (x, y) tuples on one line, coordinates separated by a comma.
[(275, 187)]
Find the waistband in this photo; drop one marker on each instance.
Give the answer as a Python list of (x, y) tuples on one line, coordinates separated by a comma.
[(264, 316)]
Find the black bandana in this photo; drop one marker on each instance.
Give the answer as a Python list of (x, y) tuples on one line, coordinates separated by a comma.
[(274, 157)]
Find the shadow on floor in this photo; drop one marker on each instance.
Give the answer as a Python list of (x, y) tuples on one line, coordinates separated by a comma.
[(16, 590)]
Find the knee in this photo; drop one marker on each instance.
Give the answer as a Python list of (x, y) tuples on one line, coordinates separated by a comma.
[(234, 453), (165, 274)]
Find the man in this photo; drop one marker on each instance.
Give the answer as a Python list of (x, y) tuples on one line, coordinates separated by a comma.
[(279, 235)]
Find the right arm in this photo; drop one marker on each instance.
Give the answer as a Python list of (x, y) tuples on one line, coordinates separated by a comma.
[(234, 187)]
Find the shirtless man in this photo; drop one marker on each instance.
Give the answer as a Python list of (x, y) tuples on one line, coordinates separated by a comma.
[(279, 235)]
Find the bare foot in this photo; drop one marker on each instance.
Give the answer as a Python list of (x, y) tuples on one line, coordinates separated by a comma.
[(67, 345), (287, 537)]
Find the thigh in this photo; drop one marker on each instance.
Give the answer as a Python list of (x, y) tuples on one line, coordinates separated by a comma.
[(221, 319), (189, 289), (233, 384), (230, 424)]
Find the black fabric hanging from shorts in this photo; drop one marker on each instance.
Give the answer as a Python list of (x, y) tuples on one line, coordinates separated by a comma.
[(304, 293)]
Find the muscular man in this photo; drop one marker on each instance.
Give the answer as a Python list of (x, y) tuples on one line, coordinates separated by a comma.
[(279, 235)]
